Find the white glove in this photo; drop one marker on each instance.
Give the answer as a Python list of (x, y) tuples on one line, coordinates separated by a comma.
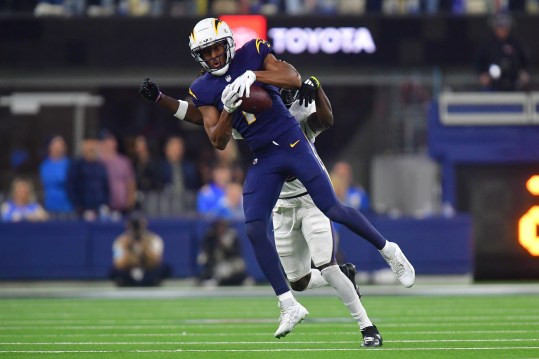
[(242, 85), (230, 99)]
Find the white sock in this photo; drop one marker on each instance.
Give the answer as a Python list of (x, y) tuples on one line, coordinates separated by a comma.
[(346, 291), (317, 280), (388, 251), (286, 300)]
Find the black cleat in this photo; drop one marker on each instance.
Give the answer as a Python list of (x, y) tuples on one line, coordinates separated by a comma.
[(349, 270), (371, 337)]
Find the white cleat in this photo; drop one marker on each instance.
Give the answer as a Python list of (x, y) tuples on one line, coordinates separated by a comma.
[(289, 318), (400, 265)]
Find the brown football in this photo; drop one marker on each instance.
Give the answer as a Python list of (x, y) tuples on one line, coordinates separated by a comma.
[(259, 100)]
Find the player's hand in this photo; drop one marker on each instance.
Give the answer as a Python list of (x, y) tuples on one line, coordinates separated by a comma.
[(150, 90), (230, 99), (307, 92), (242, 85)]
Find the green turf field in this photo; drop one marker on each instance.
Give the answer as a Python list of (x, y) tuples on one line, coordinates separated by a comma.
[(242, 327)]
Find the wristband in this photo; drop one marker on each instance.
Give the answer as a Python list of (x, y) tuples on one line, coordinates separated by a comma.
[(316, 82), (182, 110), (158, 97)]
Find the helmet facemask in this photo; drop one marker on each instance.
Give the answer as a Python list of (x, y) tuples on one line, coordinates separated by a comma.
[(227, 54), (288, 96), (209, 32)]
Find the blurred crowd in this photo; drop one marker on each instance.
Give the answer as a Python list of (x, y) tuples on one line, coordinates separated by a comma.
[(102, 184), (267, 7)]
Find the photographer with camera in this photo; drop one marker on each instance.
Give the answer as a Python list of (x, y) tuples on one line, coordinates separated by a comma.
[(138, 255)]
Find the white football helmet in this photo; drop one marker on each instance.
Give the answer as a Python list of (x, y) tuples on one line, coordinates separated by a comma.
[(207, 32)]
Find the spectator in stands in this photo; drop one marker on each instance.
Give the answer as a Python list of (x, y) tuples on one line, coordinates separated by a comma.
[(120, 174), (148, 174), (230, 206), (220, 256), (100, 7), (179, 172), (230, 156), (50, 8), (87, 182), (351, 194), (53, 175), (502, 60), (23, 205), (138, 255), (209, 195), (181, 179)]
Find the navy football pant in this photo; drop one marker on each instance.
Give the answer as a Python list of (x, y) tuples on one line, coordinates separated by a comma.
[(263, 184)]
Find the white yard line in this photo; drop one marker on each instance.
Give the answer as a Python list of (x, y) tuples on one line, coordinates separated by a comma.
[(274, 342), (448, 319), (261, 323), (185, 334), (385, 349)]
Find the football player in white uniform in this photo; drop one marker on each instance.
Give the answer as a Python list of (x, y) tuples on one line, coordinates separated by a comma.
[(302, 232)]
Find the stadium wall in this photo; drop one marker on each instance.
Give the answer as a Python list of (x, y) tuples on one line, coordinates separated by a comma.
[(83, 250), (486, 145)]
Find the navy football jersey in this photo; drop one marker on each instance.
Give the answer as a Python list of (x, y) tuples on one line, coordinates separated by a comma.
[(259, 129)]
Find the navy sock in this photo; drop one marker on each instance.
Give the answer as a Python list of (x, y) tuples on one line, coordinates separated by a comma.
[(356, 222), (266, 255)]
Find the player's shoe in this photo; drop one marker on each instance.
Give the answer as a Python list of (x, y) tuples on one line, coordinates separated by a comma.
[(371, 337), (349, 270), (400, 265), (289, 318)]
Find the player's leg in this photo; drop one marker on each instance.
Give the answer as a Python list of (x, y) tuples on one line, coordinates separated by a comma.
[(318, 231), (355, 221), (260, 193), (294, 252), (308, 168)]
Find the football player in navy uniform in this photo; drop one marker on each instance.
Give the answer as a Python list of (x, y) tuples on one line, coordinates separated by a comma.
[(280, 147), (302, 232)]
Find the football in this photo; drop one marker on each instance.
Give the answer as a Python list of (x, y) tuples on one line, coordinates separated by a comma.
[(259, 100)]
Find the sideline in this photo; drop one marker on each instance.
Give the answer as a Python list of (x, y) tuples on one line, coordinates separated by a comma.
[(428, 286)]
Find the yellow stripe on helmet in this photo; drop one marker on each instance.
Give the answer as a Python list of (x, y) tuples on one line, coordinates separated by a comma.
[(216, 24)]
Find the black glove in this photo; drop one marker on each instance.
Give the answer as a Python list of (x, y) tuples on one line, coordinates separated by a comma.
[(307, 92), (150, 90)]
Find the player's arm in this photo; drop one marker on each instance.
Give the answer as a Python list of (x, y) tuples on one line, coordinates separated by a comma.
[(182, 110), (275, 72), (278, 73), (322, 119), (218, 126)]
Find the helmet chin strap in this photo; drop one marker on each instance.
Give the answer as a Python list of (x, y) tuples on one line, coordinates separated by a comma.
[(221, 71)]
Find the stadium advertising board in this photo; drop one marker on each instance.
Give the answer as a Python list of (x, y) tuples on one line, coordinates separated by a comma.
[(331, 42), (300, 40)]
